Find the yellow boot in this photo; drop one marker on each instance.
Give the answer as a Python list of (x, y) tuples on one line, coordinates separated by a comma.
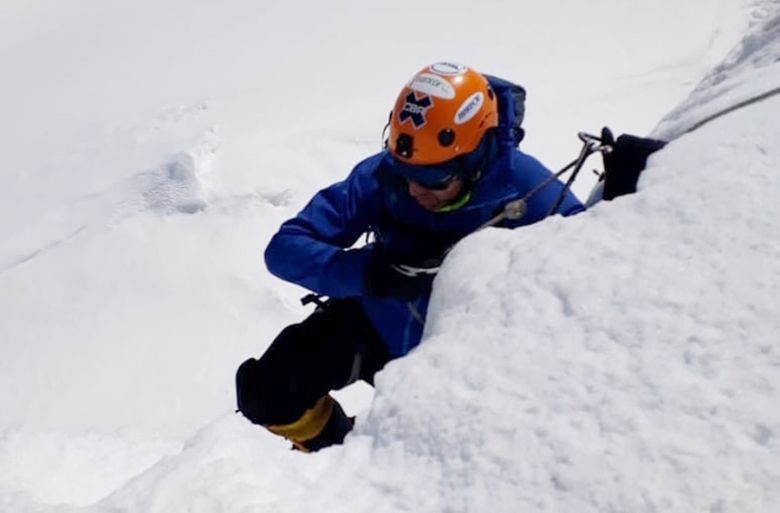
[(322, 425)]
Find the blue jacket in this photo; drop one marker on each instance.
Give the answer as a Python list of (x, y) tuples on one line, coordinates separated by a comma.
[(311, 249)]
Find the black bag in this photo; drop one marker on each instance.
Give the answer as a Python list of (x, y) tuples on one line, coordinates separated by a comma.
[(626, 161)]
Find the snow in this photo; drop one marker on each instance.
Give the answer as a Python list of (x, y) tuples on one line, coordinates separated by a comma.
[(622, 360), (641, 375)]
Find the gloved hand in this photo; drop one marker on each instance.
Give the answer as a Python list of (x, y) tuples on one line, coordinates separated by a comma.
[(383, 278), (623, 165)]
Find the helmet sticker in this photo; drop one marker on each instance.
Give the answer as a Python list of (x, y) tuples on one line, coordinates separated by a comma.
[(414, 109), (430, 84), (469, 108), (448, 68)]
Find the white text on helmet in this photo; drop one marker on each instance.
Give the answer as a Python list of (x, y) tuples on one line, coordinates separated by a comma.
[(469, 108)]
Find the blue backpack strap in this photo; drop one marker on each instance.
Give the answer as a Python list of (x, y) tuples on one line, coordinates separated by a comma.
[(511, 108)]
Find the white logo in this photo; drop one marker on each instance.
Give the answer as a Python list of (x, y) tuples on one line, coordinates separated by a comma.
[(448, 68), (469, 108), (432, 85)]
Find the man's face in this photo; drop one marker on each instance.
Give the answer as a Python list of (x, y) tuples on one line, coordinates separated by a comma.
[(431, 199)]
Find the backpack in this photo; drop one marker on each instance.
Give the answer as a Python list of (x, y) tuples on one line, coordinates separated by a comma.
[(511, 108)]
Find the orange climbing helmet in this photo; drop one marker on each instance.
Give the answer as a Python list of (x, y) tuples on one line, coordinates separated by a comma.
[(442, 113)]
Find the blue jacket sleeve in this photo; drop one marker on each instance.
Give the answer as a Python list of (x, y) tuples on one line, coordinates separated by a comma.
[(311, 249)]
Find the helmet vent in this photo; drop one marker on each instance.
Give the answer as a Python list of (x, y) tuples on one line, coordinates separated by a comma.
[(446, 137), (403, 145)]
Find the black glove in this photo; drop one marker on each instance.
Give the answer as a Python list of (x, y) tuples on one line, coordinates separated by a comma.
[(626, 161), (384, 278)]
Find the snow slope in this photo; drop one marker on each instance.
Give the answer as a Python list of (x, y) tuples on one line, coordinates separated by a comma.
[(156, 146)]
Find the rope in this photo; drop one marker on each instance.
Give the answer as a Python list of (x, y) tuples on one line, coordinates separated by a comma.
[(731, 109)]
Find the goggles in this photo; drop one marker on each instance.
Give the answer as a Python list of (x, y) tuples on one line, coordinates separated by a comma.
[(435, 177)]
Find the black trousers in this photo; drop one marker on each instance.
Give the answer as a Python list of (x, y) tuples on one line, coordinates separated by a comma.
[(333, 347)]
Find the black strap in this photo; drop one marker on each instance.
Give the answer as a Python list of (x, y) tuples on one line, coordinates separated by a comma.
[(316, 299)]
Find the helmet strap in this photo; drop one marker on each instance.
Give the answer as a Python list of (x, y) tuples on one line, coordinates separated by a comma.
[(486, 152), (384, 131)]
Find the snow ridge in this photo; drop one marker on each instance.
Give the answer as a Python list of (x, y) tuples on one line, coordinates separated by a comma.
[(748, 72)]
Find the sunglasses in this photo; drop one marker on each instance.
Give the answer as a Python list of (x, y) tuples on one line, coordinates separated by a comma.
[(433, 177), (438, 185)]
